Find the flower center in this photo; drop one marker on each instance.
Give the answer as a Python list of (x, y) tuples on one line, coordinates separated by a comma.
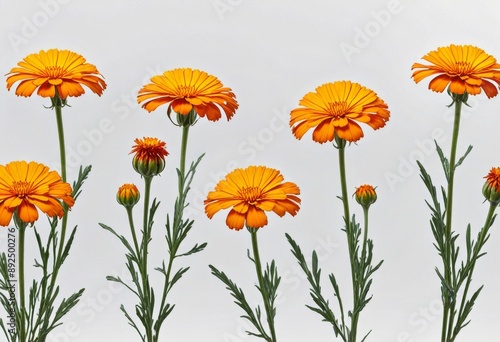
[(251, 194), (185, 90), (54, 72), (337, 109), (462, 68), (21, 188)]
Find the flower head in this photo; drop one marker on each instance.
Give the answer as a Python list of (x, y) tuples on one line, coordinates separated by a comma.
[(128, 195), (491, 188), (365, 195), (249, 193), (55, 72), (185, 89), (27, 186), (149, 158), (465, 68), (335, 109)]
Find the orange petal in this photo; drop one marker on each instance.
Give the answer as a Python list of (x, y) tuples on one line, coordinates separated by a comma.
[(235, 220), (351, 132), (5, 215), (27, 212), (181, 106), (256, 218)]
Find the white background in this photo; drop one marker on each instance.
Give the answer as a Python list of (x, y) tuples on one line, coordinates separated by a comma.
[(270, 53)]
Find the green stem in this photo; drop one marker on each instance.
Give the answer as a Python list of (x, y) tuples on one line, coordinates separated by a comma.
[(357, 289), (365, 232), (182, 164), (143, 260), (350, 238), (22, 295), (451, 176), (147, 193), (479, 244), (132, 229), (58, 103), (263, 288), (62, 153), (166, 286), (343, 183), (62, 148), (177, 217), (448, 310)]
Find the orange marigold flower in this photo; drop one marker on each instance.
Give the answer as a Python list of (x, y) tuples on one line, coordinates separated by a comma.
[(250, 192), (149, 158), (128, 195), (465, 68), (335, 109), (491, 188), (185, 89), (365, 195), (26, 186), (52, 70)]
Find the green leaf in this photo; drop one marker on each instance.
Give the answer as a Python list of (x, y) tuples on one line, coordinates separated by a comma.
[(460, 161), (82, 176), (240, 300), (444, 161)]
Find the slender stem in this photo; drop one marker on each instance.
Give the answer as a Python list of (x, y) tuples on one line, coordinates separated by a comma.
[(62, 148), (62, 153), (143, 260), (343, 183), (166, 286), (177, 215), (479, 244), (22, 332), (451, 176), (350, 241), (365, 232), (147, 194), (58, 104), (357, 288), (263, 288), (448, 310), (132, 229), (182, 164)]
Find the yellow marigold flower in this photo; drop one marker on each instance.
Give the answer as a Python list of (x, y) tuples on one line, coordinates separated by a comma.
[(365, 195), (128, 195), (185, 89), (149, 158), (335, 109), (249, 193), (27, 186), (491, 188), (55, 70), (465, 68)]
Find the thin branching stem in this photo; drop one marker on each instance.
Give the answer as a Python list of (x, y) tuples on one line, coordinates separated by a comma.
[(262, 285), (22, 297), (350, 239), (449, 304)]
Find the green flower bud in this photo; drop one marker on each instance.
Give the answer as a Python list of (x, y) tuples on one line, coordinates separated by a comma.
[(365, 195), (491, 188), (149, 158), (128, 195), (148, 167)]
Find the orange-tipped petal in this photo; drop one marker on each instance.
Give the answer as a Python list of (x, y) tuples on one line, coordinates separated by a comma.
[(250, 193), (29, 187), (465, 68), (185, 89), (48, 70), (335, 108)]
